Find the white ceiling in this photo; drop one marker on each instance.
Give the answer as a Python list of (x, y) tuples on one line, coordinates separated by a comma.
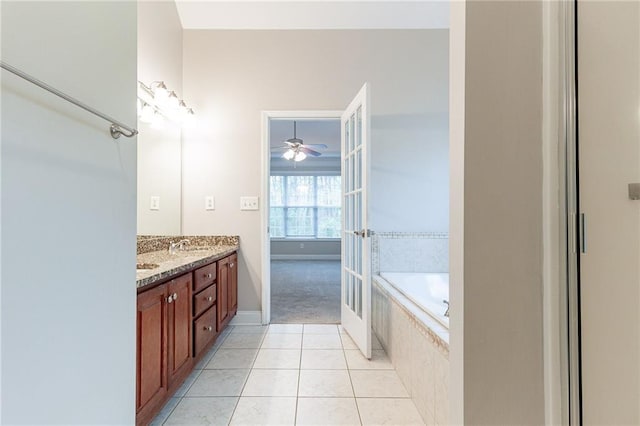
[(318, 14)]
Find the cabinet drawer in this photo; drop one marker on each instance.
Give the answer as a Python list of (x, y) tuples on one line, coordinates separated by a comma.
[(203, 300), (204, 276), (204, 330)]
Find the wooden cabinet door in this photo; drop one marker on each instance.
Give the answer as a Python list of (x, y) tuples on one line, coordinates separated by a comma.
[(179, 324), (233, 284), (151, 357), (223, 292)]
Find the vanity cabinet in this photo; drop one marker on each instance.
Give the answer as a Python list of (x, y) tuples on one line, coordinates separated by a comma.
[(164, 354), (151, 380), (205, 326), (178, 320), (227, 289), (233, 284), (179, 325)]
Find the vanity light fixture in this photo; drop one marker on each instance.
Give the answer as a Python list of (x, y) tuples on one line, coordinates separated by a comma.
[(156, 102), (159, 89), (172, 101)]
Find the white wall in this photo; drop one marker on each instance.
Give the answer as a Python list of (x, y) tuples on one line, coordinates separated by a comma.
[(68, 217), (307, 249), (159, 149), (503, 345), (231, 76)]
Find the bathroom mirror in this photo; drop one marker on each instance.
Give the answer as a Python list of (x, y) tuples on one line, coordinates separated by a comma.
[(159, 179), (159, 145)]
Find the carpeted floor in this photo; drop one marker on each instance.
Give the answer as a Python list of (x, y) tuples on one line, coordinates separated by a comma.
[(305, 291)]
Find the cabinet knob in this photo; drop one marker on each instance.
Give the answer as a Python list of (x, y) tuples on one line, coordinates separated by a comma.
[(231, 265), (207, 328), (209, 299), (207, 275), (170, 299), (175, 296)]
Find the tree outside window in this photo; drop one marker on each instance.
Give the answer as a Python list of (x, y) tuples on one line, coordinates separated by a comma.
[(305, 207)]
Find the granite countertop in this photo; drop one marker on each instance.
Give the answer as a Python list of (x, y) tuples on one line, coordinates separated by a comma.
[(181, 261)]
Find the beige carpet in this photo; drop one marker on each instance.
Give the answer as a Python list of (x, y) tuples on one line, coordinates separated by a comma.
[(305, 291)]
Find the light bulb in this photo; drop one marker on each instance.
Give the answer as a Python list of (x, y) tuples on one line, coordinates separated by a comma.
[(300, 156), (172, 101), (189, 118), (147, 113), (158, 121), (288, 155), (182, 111), (160, 92)]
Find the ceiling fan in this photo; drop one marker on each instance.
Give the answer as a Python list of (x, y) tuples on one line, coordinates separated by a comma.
[(296, 150)]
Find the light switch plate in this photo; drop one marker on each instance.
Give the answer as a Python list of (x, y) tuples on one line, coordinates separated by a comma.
[(249, 203), (154, 203), (209, 203)]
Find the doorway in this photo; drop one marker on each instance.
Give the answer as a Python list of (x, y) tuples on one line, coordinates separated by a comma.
[(302, 217)]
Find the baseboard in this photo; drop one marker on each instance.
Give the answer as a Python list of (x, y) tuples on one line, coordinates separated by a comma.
[(247, 318), (305, 257)]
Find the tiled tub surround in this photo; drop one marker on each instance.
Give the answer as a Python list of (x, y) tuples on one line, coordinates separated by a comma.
[(418, 347), (200, 251), (410, 252), (417, 343)]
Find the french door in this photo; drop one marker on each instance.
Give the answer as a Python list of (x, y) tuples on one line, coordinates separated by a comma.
[(356, 237)]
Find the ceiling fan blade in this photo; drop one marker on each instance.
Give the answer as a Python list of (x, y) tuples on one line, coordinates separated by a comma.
[(316, 145), (310, 151)]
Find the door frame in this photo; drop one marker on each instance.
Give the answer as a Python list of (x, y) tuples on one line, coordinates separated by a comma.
[(562, 352), (265, 240)]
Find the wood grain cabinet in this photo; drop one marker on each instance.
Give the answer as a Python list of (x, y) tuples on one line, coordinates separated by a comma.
[(205, 328), (151, 383), (177, 322), (227, 289), (223, 292), (233, 284), (179, 326)]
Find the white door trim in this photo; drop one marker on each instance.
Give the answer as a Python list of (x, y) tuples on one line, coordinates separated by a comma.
[(264, 193)]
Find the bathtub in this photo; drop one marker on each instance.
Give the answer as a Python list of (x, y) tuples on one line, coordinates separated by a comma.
[(408, 320), (427, 290)]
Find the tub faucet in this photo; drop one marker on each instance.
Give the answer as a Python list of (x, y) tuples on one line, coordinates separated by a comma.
[(446, 302), (173, 247)]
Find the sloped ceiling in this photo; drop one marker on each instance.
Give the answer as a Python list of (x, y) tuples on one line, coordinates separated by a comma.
[(319, 14)]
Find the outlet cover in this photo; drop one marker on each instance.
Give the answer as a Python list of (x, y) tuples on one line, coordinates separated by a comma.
[(209, 202), (154, 203), (249, 203)]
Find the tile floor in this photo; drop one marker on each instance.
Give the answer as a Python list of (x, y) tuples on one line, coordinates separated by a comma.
[(290, 374)]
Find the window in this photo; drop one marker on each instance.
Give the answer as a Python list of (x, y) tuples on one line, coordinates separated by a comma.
[(305, 207)]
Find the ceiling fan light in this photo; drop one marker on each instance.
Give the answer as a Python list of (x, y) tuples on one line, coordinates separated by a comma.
[(288, 155), (300, 156)]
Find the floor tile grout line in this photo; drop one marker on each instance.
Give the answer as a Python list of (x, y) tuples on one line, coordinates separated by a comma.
[(213, 350), (353, 389), (235, 407)]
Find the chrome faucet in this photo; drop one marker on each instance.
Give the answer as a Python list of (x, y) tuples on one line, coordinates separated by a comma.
[(173, 247), (446, 302)]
